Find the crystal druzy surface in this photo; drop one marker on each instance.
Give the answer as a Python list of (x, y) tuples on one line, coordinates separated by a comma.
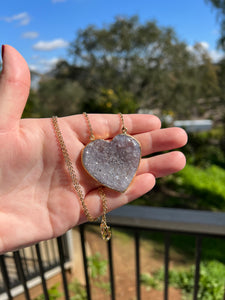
[(113, 163)]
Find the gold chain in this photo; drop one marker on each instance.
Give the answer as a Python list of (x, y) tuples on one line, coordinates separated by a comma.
[(92, 136), (70, 168), (105, 230), (124, 129)]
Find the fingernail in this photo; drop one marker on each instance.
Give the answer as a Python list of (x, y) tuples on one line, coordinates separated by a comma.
[(3, 47)]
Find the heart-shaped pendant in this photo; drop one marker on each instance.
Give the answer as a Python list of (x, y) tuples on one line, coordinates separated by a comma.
[(113, 164)]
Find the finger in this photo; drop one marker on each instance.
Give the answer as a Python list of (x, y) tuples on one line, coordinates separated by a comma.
[(106, 126), (14, 87), (140, 186), (161, 140), (163, 165)]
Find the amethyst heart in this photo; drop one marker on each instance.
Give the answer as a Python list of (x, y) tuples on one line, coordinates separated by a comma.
[(114, 163)]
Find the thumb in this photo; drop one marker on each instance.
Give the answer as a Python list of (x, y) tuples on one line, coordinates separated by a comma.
[(14, 87)]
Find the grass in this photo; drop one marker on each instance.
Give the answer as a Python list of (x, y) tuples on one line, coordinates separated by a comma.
[(192, 188), (204, 186)]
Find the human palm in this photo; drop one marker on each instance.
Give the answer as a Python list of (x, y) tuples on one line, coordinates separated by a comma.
[(37, 201)]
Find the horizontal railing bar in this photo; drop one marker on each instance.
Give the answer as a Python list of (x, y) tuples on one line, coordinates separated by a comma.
[(131, 228), (169, 219)]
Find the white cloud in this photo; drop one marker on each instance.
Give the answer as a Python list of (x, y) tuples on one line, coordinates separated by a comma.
[(204, 45), (50, 45), (33, 67), (214, 54), (44, 65), (50, 62), (30, 35), (22, 18)]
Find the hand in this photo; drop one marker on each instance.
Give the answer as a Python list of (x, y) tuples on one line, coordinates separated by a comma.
[(36, 198)]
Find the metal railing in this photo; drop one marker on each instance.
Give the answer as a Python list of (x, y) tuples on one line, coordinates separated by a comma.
[(21, 266), (139, 219)]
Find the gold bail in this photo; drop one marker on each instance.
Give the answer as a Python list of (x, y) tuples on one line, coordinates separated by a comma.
[(124, 129)]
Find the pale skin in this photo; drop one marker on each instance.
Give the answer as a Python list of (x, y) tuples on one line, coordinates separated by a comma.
[(37, 201)]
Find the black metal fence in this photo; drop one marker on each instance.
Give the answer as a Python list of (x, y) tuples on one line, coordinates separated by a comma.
[(20, 266), (136, 220)]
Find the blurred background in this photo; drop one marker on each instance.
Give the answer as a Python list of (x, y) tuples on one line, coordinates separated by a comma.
[(159, 57)]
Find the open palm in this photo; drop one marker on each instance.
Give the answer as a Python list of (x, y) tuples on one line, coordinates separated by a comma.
[(37, 201)]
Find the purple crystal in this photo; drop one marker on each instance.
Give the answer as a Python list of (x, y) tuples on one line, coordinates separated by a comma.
[(114, 163)]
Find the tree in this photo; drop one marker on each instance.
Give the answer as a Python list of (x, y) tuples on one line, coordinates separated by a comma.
[(61, 97), (220, 6), (128, 65), (145, 62)]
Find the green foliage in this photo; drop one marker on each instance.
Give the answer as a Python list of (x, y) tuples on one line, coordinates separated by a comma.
[(127, 65), (149, 62), (205, 186), (200, 185), (110, 101), (194, 188), (220, 7), (98, 268), (149, 281), (60, 97), (78, 291), (212, 276), (211, 282), (182, 279), (53, 293), (206, 148), (103, 285), (97, 265), (32, 108)]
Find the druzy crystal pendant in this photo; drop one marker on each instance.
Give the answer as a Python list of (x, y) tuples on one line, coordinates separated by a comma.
[(113, 163)]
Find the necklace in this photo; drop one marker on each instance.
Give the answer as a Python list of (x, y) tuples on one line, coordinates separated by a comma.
[(112, 163)]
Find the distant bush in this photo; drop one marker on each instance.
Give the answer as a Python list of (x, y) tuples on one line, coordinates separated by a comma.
[(206, 186), (206, 148), (211, 280)]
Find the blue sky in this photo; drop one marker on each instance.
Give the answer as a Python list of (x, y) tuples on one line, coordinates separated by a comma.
[(42, 30)]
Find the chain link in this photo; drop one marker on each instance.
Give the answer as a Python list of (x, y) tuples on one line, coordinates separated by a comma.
[(105, 229), (92, 136), (70, 168)]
